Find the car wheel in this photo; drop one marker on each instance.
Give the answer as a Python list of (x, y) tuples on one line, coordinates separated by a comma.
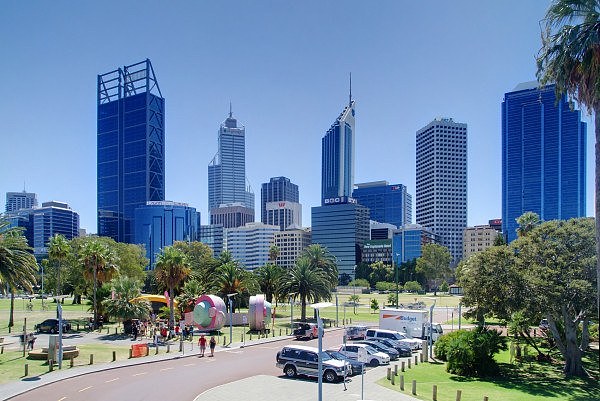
[(290, 371), (329, 376), (311, 336), (374, 362)]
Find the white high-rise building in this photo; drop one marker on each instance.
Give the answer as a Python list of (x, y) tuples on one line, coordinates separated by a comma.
[(250, 243), (441, 193), (291, 244)]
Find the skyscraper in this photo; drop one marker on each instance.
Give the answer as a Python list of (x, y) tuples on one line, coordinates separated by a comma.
[(279, 201), (131, 147), (337, 171), (441, 182), (250, 244), (227, 170), (20, 200), (388, 203), (543, 157)]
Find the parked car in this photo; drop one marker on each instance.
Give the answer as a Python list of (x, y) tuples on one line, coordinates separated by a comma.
[(51, 326), (403, 349), (413, 343), (306, 330), (302, 360), (373, 357), (356, 332), (357, 367), (393, 354)]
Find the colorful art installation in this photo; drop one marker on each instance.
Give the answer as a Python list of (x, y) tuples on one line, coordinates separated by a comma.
[(209, 312), (259, 312)]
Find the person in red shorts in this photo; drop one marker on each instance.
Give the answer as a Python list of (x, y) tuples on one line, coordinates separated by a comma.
[(202, 344)]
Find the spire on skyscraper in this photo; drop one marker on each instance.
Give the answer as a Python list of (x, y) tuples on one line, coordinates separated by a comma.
[(350, 97), (230, 112)]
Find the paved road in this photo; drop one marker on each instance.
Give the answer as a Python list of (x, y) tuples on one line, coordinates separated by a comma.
[(181, 379)]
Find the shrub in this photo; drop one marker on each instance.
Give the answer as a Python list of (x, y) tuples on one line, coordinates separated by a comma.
[(374, 304), (385, 286), (391, 299), (412, 286), (444, 287), (593, 329), (441, 344), (360, 282), (471, 353)]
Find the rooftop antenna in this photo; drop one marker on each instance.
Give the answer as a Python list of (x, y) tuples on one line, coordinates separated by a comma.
[(24, 186), (350, 97), (230, 109)]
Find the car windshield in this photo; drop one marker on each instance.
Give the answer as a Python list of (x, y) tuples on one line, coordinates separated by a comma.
[(336, 355), (371, 350), (325, 356)]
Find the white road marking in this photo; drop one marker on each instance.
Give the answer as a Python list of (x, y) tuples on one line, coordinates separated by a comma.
[(85, 388), (189, 364), (163, 369), (234, 352), (61, 399), (141, 373), (112, 380)]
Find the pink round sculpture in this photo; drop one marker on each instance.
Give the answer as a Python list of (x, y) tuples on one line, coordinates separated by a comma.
[(259, 312), (209, 312)]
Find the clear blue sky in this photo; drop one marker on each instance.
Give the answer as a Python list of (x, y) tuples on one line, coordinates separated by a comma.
[(284, 65)]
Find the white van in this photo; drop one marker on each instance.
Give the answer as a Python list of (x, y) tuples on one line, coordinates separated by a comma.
[(413, 343)]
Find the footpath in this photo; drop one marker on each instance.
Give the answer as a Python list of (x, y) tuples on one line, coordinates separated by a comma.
[(255, 386)]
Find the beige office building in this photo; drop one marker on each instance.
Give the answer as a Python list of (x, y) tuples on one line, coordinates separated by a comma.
[(477, 239), (291, 243)]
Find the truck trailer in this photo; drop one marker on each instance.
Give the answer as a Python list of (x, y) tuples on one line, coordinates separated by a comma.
[(413, 322)]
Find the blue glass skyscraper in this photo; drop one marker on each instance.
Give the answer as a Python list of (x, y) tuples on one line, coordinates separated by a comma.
[(388, 203), (543, 157), (337, 174), (131, 147), (280, 203), (227, 170)]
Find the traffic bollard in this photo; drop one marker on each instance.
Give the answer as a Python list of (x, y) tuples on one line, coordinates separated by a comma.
[(403, 366), (458, 395), (434, 396), (389, 373), (26, 369), (114, 356), (91, 359), (402, 382), (414, 387)]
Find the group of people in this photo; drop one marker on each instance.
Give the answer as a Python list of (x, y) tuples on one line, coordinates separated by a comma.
[(202, 344)]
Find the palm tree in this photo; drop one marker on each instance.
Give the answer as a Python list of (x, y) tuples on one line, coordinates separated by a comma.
[(273, 253), (527, 222), (123, 289), (99, 267), (320, 258), (268, 277), (308, 283), (58, 250), (570, 58), (172, 268), (192, 289), (231, 278), (17, 263)]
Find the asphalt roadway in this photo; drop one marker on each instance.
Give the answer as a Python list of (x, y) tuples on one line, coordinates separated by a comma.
[(234, 373)]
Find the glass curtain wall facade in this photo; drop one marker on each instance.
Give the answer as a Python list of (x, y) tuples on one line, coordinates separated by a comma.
[(212, 235), (337, 174), (131, 147), (227, 170), (543, 157), (342, 229), (160, 224), (20, 200), (53, 218), (388, 203), (441, 181)]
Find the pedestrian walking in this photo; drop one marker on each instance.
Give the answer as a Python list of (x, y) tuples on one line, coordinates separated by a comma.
[(213, 344), (202, 344)]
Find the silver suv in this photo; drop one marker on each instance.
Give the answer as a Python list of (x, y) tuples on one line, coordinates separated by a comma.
[(303, 360)]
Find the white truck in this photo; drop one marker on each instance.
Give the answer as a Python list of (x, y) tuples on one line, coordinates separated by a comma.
[(413, 322)]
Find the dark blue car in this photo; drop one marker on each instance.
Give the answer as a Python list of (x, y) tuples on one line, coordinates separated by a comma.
[(355, 365)]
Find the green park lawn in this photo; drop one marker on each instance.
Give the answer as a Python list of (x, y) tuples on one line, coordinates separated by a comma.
[(528, 381)]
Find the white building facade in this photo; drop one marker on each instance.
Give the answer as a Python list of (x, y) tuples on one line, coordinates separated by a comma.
[(291, 244), (250, 243)]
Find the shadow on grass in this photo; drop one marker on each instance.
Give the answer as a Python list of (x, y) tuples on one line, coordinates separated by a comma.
[(115, 337)]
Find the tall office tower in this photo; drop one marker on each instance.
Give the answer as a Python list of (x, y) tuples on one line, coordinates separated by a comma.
[(442, 182), (231, 215), (387, 203), (543, 157), (250, 244), (280, 203), (161, 223), (131, 147), (20, 200), (337, 171), (53, 218), (291, 244), (227, 170)]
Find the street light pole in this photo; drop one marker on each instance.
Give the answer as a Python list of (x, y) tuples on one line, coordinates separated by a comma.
[(291, 295), (230, 317), (317, 307), (397, 287)]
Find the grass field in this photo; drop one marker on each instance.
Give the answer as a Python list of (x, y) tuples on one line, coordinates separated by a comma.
[(519, 382)]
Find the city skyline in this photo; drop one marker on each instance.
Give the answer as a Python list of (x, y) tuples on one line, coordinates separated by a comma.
[(284, 91)]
